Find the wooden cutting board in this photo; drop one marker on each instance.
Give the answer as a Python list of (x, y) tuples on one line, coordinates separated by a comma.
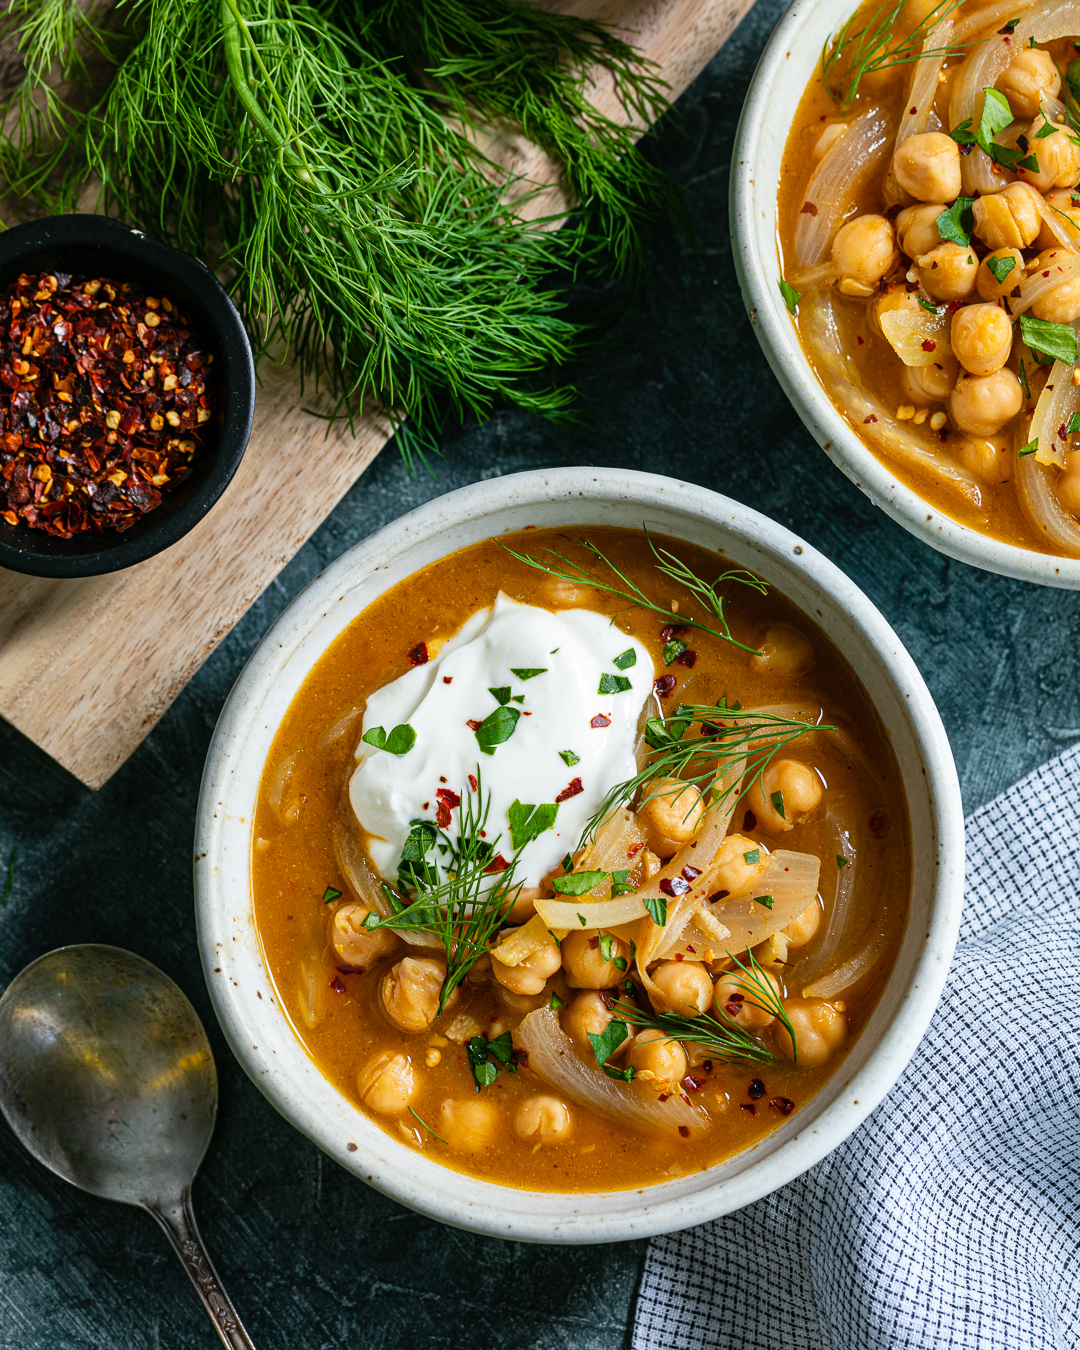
[(88, 666)]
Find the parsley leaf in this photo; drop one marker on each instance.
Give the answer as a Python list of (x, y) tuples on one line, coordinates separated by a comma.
[(673, 649), (501, 695), (529, 672), (577, 883), (1028, 449), (791, 296), (609, 1040), (926, 303), (841, 862), (1074, 424), (996, 116), (765, 900), (528, 822), (483, 1071), (777, 799), (496, 727), (555, 1002), (620, 884), (954, 224), (502, 1047), (569, 758), (606, 944), (752, 858), (1057, 340), (656, 908), (413, 869), (331, 894), (999, 268), (400, 741), (626, 1075), (614, 684), (626, 659)]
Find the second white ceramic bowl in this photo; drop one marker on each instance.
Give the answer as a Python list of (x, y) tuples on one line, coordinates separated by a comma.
[(243, 991), (789, 62)]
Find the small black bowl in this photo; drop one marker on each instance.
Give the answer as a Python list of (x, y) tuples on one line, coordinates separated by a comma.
[(95, 246)]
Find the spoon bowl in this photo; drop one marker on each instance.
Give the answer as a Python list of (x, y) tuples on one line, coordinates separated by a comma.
[(107, 1077)]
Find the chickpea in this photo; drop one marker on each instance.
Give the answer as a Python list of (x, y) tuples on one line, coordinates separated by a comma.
[(981, 338), (409, 992), (355, 945), (819, 1031), (828, 138), (740, 1003), (1030, 78), (387, 1083), (982, 404), (863, 252), (585, 1015), (729, 870), (988, 286), (584, 961), (1007, 219), (1066, 201), (916, 228), (932, 383), (524, 906), (543, 1119), (948, 272), (530, 976), (800, 791), (520, 1003), (685, 985), (928, 166), (470, 1124), (1069, 492), (803, 926), (652, 1052), (1058, 158), (671, 814), (786, 651), (1061, 304), (989, 458)]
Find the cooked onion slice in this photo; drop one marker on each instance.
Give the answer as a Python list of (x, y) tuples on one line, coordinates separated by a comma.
[(855, 969), (1045, 513), (1058, 401), (920, 101), (1038, 284), (365, 884), (837, 182), (552, 1056), (866, 413), (791, 879), (918, 339), (567, 914)]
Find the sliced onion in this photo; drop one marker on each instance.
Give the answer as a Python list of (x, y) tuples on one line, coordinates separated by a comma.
[(358, 873), (553, 1058), (310, 993), (1058, 401), (1045, 513), (567, 914), (618, 841), (275, 791), (1061, 226), (851, 843), (1041, 283), (814, 278), (521, 943), (919, 102), (868, 414), (855, 969), (339, 729), (991, 16), (837, 182), (790, 878), (918, 339)]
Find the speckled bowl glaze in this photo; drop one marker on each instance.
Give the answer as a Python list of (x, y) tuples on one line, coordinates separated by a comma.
[(786, 67), (243, 992)]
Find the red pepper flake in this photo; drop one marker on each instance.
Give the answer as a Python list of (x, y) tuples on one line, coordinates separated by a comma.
[(1062, 432), (954, 305), (635, 849), (497, 864), (520, 1057), (447, 795), (928, 346), (1046, 274), (594, 943), (671, 630), (871, 418), (663, 1096), (756, 1090), (442, 815), (472, 781), (571, 790), (675, 886), (691, 873), (684, 1131), (104, 402), (879, 824), (749, 1106), (718, 895), (664, 685), (691, 1084), (808, 209), (474, 725), (419, 655), (691, 948), (914, 111), (783, 1104), (749, 821), (600, 721), (733, 1007), (859, 340), (337, 986), (686, 658), (448, 679)]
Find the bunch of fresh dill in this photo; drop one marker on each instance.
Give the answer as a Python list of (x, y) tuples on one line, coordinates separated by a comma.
[(326, 158)]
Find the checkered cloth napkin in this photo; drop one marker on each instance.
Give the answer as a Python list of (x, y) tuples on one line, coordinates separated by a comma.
[(951, 1217)]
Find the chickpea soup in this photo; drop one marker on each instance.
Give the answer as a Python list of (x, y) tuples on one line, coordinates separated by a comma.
[(580, 859), (930, 241)]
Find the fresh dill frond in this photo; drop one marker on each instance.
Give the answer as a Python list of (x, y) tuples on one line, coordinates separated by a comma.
[(727, 737), (427, 1126), (848, 56), (719, 1034), (579, 575)]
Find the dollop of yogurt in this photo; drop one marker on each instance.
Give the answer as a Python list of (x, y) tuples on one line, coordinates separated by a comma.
[(569, 745)]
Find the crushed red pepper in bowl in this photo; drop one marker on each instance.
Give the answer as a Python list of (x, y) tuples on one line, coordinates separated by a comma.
[(105, 400)]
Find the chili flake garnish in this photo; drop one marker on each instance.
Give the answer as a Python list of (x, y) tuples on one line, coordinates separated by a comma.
[(104, 402), (572, 789), (664, 685)]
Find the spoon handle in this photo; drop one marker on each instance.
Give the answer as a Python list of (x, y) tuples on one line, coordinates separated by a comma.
[(176, 1217)]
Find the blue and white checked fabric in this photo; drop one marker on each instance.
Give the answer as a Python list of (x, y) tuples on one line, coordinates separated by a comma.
[(951, 1218)]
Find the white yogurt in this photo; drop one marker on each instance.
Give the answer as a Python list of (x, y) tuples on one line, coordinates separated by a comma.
[(560, 710)]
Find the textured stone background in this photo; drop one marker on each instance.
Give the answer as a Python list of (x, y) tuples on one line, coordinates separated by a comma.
[(313, 1259)]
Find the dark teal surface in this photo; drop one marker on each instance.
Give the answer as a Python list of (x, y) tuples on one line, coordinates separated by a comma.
[(312, 1258)]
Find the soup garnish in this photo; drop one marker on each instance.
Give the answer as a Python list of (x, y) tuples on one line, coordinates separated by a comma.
[(562, 954), (930, 232)]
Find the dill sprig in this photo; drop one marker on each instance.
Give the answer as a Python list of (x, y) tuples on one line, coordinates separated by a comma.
[(325, 158), (727, 736), (466, 908), (720, 1035), (670, 566), (848, 56)]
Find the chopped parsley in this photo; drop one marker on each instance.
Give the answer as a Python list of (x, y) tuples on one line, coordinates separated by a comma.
[(765, 900), (791, 296), (528, 822), (620, 884), (626, 659), (496, 728), (1028, 449), (613, 684), (656, 908), (1000, 268), (501, 695), (331, 894), (777, 799), (954, 225), (673, 650), (609, 1040), (1073, 424), (529, 672), (1057, 340), (481, 1052), (752, 858), (568, 864), (569, 758), (555, 1003), (606, 944), (841, 862), (926, 303), (399, 742), (578, 883), (996, 116)]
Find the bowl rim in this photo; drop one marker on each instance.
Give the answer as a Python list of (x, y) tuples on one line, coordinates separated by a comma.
[(461, 1200), (233, 349), (758, 272)]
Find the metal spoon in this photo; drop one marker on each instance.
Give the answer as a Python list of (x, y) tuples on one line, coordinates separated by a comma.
[(106, 1076)]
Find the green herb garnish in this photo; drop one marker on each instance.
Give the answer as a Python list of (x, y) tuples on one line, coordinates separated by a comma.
[(841, 862), (497, 727), (656, 908), (791, 296), (528, 822), (609, 1040), (1073, 424), (954, 225), (529, 672), (752, 858), (569, 758), (777, 799), (501, 695), (926, 303), (330, 895), (847, 57), (1000, 268), (578, 883), (399, 742), (427, 1126), (996, 116), (614, 684), (1028, 449), (626, 659), (672, 650), (764, 900), (1056, 340)]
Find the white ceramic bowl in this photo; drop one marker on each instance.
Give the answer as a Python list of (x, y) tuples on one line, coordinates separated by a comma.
[(788, 63), (242, 991)]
